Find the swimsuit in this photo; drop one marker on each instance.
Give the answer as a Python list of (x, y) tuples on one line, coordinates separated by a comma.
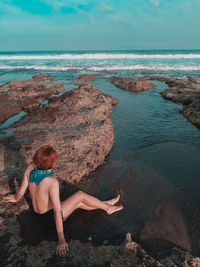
[(37, 175)]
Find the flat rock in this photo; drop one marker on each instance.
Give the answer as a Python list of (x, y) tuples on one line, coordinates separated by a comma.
[(83, 254), (77, 124), (180, 95), (189, 96), (85, 79), (133, 84), (189, 82), (16, 96)]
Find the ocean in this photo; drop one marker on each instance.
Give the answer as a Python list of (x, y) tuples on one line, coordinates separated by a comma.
[(155, 159), (95, 61)]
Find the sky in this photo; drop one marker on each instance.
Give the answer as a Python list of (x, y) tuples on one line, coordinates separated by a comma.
[(29, 25)]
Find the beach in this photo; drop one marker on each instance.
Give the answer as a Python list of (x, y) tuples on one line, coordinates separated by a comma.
[(151, 155)]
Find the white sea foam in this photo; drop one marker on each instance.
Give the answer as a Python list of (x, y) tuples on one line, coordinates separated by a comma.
[(39, 67), (147, 67), (104, 68), (99, 56)]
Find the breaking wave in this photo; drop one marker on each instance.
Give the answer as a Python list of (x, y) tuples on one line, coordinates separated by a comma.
[(104, 68), (100, 56)]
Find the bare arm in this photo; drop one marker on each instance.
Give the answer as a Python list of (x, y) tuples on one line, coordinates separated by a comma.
[(23, 187), (55, 198)]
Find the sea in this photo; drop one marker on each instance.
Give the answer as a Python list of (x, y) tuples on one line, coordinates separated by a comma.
[(155, 160)]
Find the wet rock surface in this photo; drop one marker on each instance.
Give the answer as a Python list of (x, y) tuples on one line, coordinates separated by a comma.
[(133, 84), (186, 92), (189, 82), (13, 253), (77, 124), (16, 96), (85, 79)]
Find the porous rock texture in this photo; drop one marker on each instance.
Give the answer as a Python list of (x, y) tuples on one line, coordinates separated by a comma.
[(77, 124), (186, 92), (16, 96), (83, 254), (85, 79), (133, 84)]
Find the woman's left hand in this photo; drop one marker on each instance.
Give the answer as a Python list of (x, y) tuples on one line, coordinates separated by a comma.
[(10, 198)]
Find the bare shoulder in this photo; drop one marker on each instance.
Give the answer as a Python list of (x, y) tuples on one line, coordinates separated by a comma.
[(53, 181), (53, 186)]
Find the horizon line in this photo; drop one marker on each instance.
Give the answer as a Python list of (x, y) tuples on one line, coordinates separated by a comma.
[(101, 50)]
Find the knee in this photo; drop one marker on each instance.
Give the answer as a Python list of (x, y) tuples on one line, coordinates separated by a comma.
[(80, 195)]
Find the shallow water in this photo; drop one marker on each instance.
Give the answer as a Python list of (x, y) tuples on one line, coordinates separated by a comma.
[(154, 164)]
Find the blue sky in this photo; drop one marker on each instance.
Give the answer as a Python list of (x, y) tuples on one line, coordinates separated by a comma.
[(99, 25)]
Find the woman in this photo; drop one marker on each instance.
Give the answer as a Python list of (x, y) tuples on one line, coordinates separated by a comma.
[(44, 192)]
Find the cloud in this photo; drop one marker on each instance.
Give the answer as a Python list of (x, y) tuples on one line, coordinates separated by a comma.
[(155, 2), (59, 4), (106, 8)]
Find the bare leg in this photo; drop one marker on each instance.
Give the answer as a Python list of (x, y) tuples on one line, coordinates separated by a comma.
[(112, 202), (86, 200)]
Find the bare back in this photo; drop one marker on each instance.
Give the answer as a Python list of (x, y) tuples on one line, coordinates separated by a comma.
[(40, 195)]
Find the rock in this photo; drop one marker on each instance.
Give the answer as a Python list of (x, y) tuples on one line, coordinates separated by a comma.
[(85, 79), (179, 95), (190, 82), (181, 258), (175, 231), (192, 111), (133, 84), (2, 220), (83, 254), (77, 124), (130, 244), (188, 95), (16, 96)]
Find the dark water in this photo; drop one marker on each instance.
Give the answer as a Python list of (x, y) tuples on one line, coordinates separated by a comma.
[(154, 164)]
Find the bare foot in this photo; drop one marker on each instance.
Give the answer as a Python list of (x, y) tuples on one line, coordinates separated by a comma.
[(113, 209), (113, 201)]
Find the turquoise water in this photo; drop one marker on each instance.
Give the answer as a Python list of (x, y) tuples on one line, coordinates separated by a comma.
[(180, 61), (155, 158)]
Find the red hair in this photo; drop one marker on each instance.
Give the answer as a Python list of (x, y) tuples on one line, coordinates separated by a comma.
[(45, 157)]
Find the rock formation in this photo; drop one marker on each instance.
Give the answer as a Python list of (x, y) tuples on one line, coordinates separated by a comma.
[(133, 84), (16, 96), (77, 124), (85, 79), (83, 254), (187, 93)]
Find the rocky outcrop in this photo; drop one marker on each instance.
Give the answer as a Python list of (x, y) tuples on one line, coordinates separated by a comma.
[(133, 84), (185, 92), (85, 79), (183, 95), (77, 124), (83, 254), (190, 82), (16, 96)]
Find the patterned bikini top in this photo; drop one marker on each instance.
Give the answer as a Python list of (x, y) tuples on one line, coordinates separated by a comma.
[(37, 175)]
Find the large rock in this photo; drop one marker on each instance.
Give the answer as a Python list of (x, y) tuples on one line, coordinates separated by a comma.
[(77, 124), (186, 93), (133, 84), (16, 96), (167, 224), (85, 79), (180, 95), (14, 253), (190, 82)]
